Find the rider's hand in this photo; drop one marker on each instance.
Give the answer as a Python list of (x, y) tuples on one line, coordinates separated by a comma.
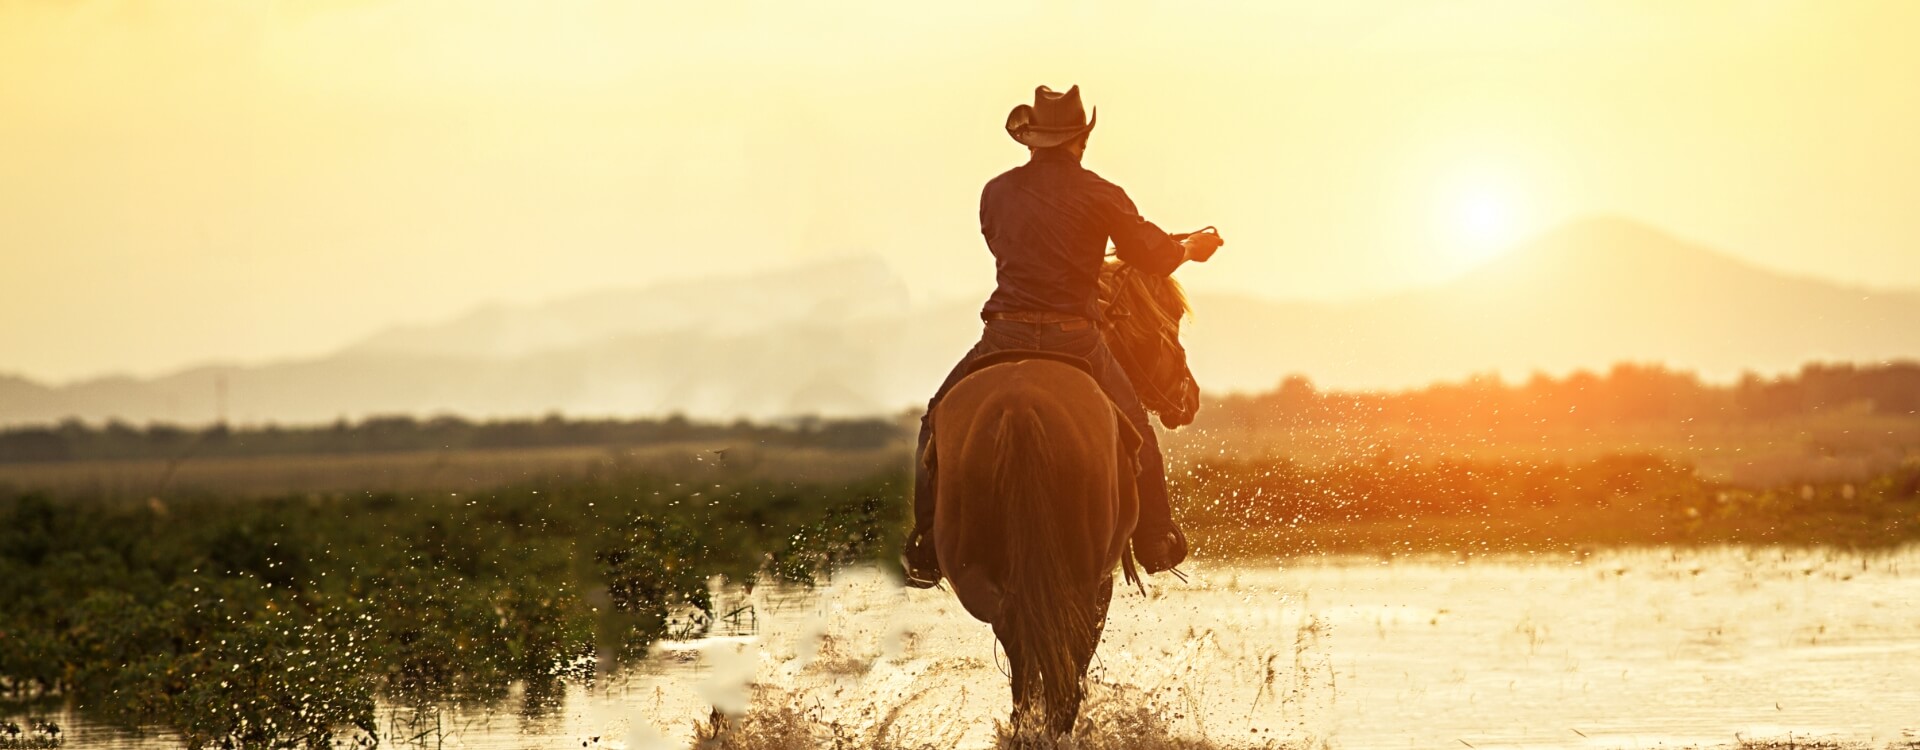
[(1201, 245)]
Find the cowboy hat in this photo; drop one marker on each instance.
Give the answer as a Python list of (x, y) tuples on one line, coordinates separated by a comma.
[(1052, 119)]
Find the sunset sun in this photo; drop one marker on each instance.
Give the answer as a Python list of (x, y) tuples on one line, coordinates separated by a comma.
[(1478, 218)]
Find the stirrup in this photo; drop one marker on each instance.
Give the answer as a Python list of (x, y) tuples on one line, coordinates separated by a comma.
[(915, 581), (916, 576), (1166, 550)]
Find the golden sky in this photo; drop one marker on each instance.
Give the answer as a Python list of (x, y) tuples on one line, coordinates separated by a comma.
[(249, 180)]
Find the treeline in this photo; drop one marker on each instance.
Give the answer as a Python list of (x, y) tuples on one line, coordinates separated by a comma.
[(1626, 393), (75, 440)]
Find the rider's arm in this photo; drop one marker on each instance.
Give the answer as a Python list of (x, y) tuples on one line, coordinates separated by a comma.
[(1136, 240)]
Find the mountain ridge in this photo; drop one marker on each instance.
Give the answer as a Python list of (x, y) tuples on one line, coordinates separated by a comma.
[(867, 287), (842, 338)]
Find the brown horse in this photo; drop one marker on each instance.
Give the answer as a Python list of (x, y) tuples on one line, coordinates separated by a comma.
[(1037, 501), (1037, 498)]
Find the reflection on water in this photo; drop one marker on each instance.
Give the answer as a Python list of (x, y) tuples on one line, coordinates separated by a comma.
[(1617, 649)]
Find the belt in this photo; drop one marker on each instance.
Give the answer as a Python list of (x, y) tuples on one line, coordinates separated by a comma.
[(1067, 321)]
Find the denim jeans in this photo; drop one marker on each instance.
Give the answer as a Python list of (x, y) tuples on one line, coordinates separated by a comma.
[(1086, 343)]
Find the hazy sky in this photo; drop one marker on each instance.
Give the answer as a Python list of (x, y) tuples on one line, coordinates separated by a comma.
[(249, 180)]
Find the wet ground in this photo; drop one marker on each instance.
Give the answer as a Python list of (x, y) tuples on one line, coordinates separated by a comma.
[(1626, 649)]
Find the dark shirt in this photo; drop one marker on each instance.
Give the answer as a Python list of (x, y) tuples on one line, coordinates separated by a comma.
[(1048, 222)]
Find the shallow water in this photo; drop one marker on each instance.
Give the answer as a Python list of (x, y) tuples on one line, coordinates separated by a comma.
[(1634, 648)]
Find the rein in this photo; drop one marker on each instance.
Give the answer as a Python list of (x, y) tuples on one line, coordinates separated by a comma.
[(1124, 337)]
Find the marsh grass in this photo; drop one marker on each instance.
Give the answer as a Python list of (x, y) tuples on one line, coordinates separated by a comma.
[(783, 720), (1235, 507), (312, 608), (1111, 721), (284, 622), (35, 734), (1804, 742), (1114, 718), (1168, 711)]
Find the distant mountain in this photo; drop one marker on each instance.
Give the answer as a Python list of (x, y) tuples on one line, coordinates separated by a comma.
[(726, 306), (1587, 295), (842, 339), (817, 340)]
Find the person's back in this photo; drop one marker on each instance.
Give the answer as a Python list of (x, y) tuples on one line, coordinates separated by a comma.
[(1047, 223)]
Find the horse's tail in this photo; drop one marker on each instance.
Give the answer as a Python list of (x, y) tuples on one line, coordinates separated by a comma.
[(1039, 606)]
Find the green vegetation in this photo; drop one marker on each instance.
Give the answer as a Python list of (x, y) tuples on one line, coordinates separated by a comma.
[(1384, 505), (279, 622)]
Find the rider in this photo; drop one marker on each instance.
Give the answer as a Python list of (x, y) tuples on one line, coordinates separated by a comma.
[(1047, 223)]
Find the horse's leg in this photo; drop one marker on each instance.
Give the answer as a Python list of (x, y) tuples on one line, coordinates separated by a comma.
[(1072, 689), (1026, 674)]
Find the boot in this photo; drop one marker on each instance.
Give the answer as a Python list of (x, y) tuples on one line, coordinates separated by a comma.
[(919, 560), (1159, 550)]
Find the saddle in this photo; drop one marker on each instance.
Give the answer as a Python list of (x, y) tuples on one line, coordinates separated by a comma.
[(1129, 437), (1020, 355)]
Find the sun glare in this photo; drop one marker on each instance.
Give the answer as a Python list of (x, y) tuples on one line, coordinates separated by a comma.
[(1479, 219)]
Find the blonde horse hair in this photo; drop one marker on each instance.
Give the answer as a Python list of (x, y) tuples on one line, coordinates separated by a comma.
[(1142, 314), (1125, 287)]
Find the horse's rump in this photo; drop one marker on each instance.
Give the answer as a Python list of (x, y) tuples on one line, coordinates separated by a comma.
[(1031, 458)]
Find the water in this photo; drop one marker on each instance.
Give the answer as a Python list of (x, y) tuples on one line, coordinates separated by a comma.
[(1622, 649)]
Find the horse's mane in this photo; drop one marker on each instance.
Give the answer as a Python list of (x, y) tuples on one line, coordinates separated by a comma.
[(1124, 287), (1142, 314)]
